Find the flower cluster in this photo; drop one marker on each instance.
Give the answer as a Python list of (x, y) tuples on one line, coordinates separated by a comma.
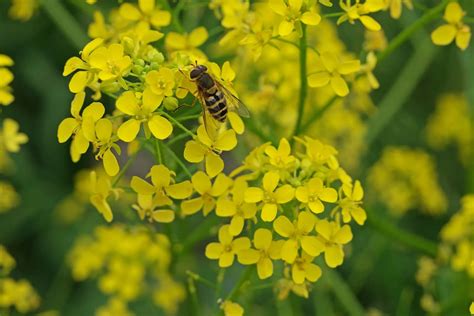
[(18, 294), (454, 29), (456, 251), (285, 207), (127, 263), (450, 124), (405, 179)]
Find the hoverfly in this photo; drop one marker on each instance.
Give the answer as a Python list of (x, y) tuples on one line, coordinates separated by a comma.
[(216, 100)]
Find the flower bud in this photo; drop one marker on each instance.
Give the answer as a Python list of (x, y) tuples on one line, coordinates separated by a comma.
[(170, 103)]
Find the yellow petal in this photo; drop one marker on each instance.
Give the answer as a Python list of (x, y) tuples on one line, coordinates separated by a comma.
[(128, 103), (443, 35), (160, 127), (319, 79), (226, 141), (78, 82), (65, 129), (262, 239), (194, 152), (285, 28), (236, 123), (190, 207), (163, 216), (253, 195), (128, 131), (214, 250), (198, 36), (334, 256), (111, 165), (269, 212), (248, 256), (339, 86), (283, 226), (265, 268), (284, 194), (270, 181), (180, 190), (214, 164), (311, 18), (453, 13), (463, 37), (201, 182), (141, 186), (370, 23)]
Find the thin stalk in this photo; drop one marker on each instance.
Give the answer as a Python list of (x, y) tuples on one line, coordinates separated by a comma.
[(317, 113), (468, 61), (177, 123), (408, 32), (158, 157), (196, 277), (393, 233), (194, 298), (303, 80), (235, 292), (66, 22), (342, 292), (178, 160)]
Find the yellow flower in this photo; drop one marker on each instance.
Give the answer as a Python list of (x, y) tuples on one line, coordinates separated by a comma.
[(265, 251), (471, 308), (313, 193), (334, 70), (82, 127), (161, 82), (331, 238), (22, 10), (281, 157), (110, 62), (209, 148), (270, 196), (6, 77), (102, 188), (207, 191), (293, 12), (105, 143), (186, 42), (396, 7), (298, 234), (146, 207), (368, 69), (227, 248), (146, 11), (454, 29), (303, 269), (359, 11), (7, 262), (350, 203), (10, 138), (236, 207), (141, 108), (232, 309), (320, 154), (85, 74), (163, 186)]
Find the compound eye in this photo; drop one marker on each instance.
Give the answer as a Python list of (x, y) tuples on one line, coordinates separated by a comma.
[(203, 68), (194, 73)]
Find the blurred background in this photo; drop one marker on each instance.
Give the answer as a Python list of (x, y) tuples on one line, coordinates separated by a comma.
[(413, 174)]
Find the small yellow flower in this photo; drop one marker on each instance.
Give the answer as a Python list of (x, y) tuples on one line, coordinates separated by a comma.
[(232, 309), (455, 29), (102, 188), (161, 82), (281, 157), (313, 193), (331, 238), (105, 143), (81, 126), (227, 248), (208, 148), (110, 62), (10, 138), (270, 195), (6, 77), (146, 11), (292, 13), (298, 234), (265, 251), (350, 203), (395, 7), (163, 186), (146, 207), (368, 69), (303, 269), (236, 207), (359, 11), (187, 42), (142, 108), (334, 70), (207, 191)]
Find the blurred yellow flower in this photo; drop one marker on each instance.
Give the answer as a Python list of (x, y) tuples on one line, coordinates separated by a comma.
[(232, 308), (10, 138), (359, 11), (292, 12), (455, 29), (146, 11)]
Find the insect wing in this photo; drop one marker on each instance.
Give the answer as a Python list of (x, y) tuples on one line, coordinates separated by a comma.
[(233, 102)]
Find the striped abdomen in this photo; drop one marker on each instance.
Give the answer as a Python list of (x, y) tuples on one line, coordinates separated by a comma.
[(215, 101)]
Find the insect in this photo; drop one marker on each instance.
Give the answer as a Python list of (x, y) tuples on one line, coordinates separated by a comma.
[(215, 99)]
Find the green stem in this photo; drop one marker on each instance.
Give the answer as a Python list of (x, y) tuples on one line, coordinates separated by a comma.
[(469, 79), (235, 292), (158, 157), (196, 277), (194, 298), (303, 80), (405, 238), (177, 123), (342, 292), (401, 90), (178, 161), (125, 167), (66, 22), (333, 15), (317, 113), (408, 32)]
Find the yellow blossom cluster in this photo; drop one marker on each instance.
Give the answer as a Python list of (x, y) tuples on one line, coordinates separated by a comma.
[(454, 29), (17, 294), (283, 206), (456, 251), (450, 125), (404, 179), (128, 262)]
